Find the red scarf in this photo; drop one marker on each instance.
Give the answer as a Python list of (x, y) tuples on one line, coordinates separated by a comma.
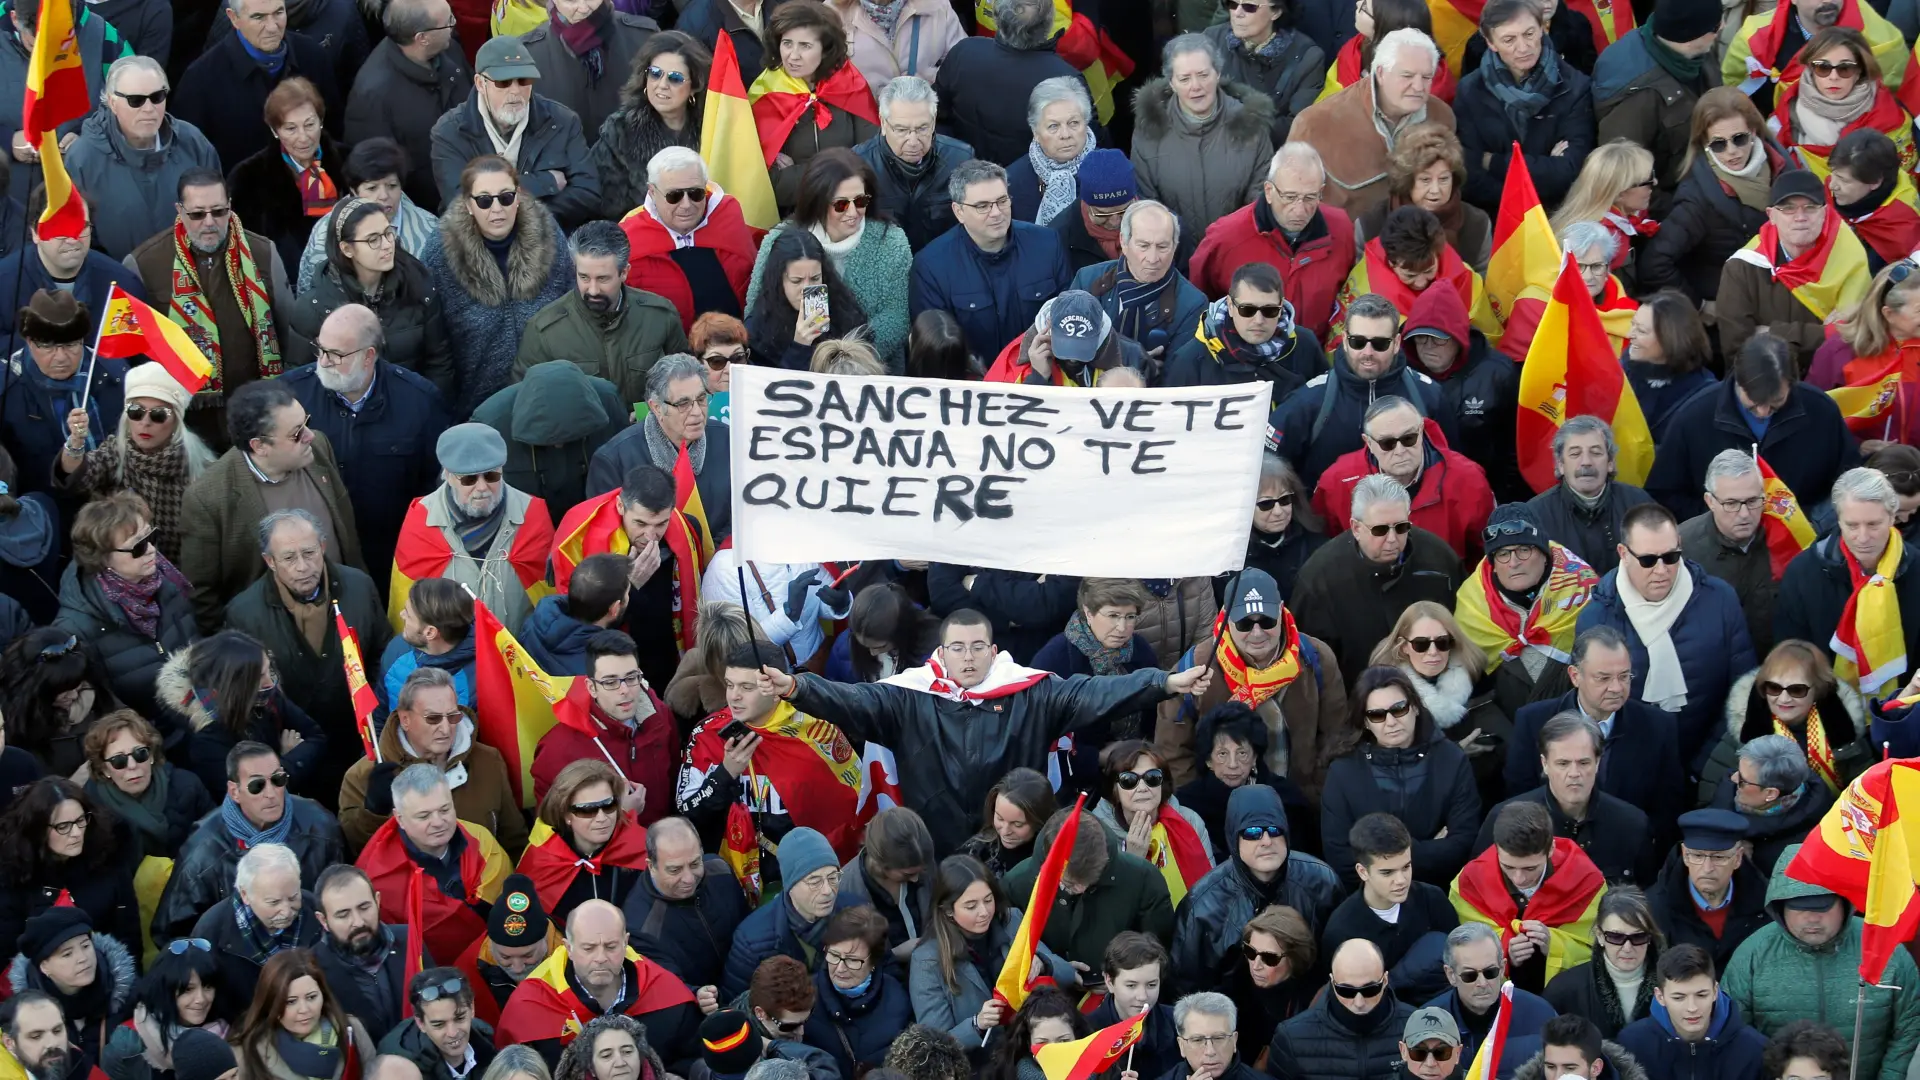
[(1805, 268), (1764, 44), (553, 864), (1382, 280), (451, 922), (777, 112), (1563, 896)]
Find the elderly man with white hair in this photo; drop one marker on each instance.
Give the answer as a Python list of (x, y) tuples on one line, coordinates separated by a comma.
[(690, 243), (268, 913), (131, 155), (1208, 1027), (1290, 227), (1141, 292), (1820, 581), (1355, 129), (911, 161), (1727, 543), (677, 391)]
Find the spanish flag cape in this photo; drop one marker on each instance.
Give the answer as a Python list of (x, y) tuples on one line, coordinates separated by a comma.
[(804, 763), (594, 526), (1491, 623), (1079, 42), (1348, 68), (781, 101), (545, 1005), (1870, 643), (1891, 229), (1885, 115), (1877, 397), (1567, 902), (1864, 849), (423, 552), (1827, 277), (553, 864), (1373, 274), (1754, 60), (485, 1007), (451, 924)]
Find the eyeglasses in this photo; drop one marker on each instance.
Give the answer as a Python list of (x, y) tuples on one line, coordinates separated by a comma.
[(857, 202), (674, 197), (842, 960), (1422, 1052), (56, 346), (1410, 440), (1263, 622), (339, 356), (1846, 69), (1153, 778), (139, 548), (1443, 643), (719, 361), (1271, 959), (1746, 506), (1265, 311), (179, 946), (1367, 990), (1738, 141), (58, 649), (1647, 183), (1704, 858), (828, 882), (1592, 267), (435, 719), (1255, 832), (448, 989), (65, 828), (1470, 976), (485, 202), (614, 682), (383, 238), (1670, 558), (1396, 710), (139, 755), (1376, 344), (1269, 505), (1398, 528), (608, 805), (159, 414), (1290, 198), (1616, 939), (961, 648), (988, 207), (278, 778), (698, 401), (1796, 691), (139, 101), (491, 476), (674, 78)]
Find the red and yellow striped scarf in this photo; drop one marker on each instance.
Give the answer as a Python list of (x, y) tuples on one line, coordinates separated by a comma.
[(1250, 685), (1819, 750)]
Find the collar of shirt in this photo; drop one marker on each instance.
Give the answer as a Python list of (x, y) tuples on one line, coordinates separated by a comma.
[(1606, 725), (257, 474), (356, 406), (1701, 901)]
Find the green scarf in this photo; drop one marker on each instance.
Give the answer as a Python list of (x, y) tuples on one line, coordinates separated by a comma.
[(1689, 70), (146, 815)]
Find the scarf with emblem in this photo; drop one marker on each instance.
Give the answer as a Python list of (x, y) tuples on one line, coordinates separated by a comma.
[(1252, 686), (193, 310), (1819, 750)]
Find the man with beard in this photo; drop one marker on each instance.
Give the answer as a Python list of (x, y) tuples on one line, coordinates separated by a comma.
[(519, 938), (191, 271), (605, 326), (538, 134), (475, 530), (35, 1032), (364, 959), (268, 913), (1582, 512), (381, 419)]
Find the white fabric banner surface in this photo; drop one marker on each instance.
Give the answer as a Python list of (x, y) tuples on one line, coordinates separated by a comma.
[(1049, 480)]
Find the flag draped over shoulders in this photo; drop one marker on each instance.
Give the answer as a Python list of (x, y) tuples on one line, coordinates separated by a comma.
[(449, 924), (1566, 901), (805, 766), (1503, 633), (781, 102), (1827, 277)]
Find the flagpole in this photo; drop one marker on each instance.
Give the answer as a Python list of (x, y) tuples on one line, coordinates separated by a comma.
[(97, 331), (1859, 1018)]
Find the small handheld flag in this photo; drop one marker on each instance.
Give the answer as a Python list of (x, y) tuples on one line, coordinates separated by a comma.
[(56, 78), (1092, 1055), (129, 327), (1788, 530)]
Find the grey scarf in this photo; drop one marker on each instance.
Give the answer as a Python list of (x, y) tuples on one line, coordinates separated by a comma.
[(1522, 101), (663, 451), (1060, 179)]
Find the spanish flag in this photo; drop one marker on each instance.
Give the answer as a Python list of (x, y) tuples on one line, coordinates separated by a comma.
[(128, 327), (1092, 1055), (1572, 370), (782, 103), (1347, 69), (594, 527), (1486, 1060), (1830, 276), (1080, 43), (1788, 530), (1863, 403), (415, 959), (1526, 254), (1567, 901), (730, 142), (66, 215), (1611, 20), (686, 498), (1454, 24), (424, 552), (56, 77), (1017, 975), (513, 699), (364, 703), (1863, 851)]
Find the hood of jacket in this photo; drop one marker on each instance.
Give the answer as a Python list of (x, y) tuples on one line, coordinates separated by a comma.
[(1621, 1064), (1781, 888), (112, 959), (1246, 112), (535, 245), (26, 538), (550, 625), (1742, 691), (557, 404), (1724, 1023), (1442, 310), (173, 688)]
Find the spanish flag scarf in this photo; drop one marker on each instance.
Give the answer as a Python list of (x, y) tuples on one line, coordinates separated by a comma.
[(1763, 60), (1177, 850), (1252, 686), (1567, 901), (780, 101), (595, 526), (1829, 276), (1503, 634), (1819, 750), (1870, 644)]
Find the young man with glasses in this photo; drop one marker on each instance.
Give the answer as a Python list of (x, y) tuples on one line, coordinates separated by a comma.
[(612, 714), (1406, 919), (464, 864), (1615, 834), (1352, 1032), (1710, 893), (1476, 969), (1539, 891), (443, 1041)]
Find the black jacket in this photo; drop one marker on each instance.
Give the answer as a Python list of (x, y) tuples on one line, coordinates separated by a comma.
[(1679, 918), (1815, 589), (395, 98), (1572, 37), (914, 198), (1428, 787), (239, 956), (1159, 1047), (1487, 134), (565, 79), (224, 94), (132, 659), (104, 892), (553, 143), (1281, 555), (407, 1041), (186, 803), (1615, 834), (203, 871), (1807, 444), (1480, 391), (984, 84), (1292, 80), (714, 481), (1590, 534), (1026, 612), (1351, 603), (1199, 359), (688, 937), (1316, 1046), (1586, 990), (266, 198), (376, 998), (1071, 227), (856, 1031), (1639, 765), (703, 20), (209, 740), (1414, 946), (1706, 225), (412, 319)]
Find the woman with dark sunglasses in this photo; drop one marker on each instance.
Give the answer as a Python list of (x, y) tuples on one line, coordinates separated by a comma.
[(660, 106), (224, 690), (1286, 531), (1444, 666), (1616, 987), (1395, 759), (1794, 693), (1275, 974), (1879, 337), (584, 846), (1732, 160), (1138, 808), (180, 992), (130, 776), (56, 838)]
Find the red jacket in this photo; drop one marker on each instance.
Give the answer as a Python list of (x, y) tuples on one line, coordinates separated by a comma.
[(1312, 275), (1452, 502), (725, 231), (645, 753)]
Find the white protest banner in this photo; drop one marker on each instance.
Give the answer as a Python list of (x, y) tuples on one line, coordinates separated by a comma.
[(1049, 480)]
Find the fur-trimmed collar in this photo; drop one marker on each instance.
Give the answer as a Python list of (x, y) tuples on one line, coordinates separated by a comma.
[(1742, 691), (1447, 698), (115, 957), (529, 264), (1620, 1063), (173, 689), (1246, 112)]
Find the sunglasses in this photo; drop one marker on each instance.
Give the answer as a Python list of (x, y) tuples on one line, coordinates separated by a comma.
[(1398, 528), (1437, 1053), (1250, 9), (1443, 643), (139, 755), (594, 809), (1368, 990), (674, 78), (58, 649), (1271, 959), (1474, 975), (1647, 183), (1847, 68), (1617, 939), (1671, 558), (1377, 344), (139, 548), (1796, 691), (1396, 710), (1265, 311), (65, 828), (139, 101), (788, 1027), (1153, 778), (1266, 505), (1738, 141), (1409, 440), (159, 414), (491, 476), (435, 719), (504, 83), (450, 988), (719, 361), (1264, 622), (259, 783), (202, 215), (179, 946), (697, 194), (1902, 270), (857, 202), (485, 202), (1255, 832)]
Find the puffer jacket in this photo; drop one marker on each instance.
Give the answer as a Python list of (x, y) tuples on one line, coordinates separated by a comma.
[(554, 420), (114, 963), (984, 85), (210, 739), (1775, 979), (132, 192), (1428, 786), (1706, 225), (1730, 1050), (1201, 172), (1314, 1045), (769, 931), (1451, 498), (1480, 390), (1130, 895), (1710, 637), (203, 871), (132, 659), (952, 1010), (1179, 614), (915, 197), (554, 639), (412, 317), (1290, 73), (1313, 434), (1620, 1064), (1200, 358), (1487, 134), (1843, 715), (856, 1031)]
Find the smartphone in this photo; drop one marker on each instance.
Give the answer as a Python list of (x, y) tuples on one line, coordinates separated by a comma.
[(737, 729), (813, 303)]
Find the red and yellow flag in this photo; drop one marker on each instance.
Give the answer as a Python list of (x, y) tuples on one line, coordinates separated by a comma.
[(1454, 24), (1102, 62), (1863, 403), (686, 498), (1486, 1060), (56, 76), (513, 698), (1788, 530), (128, 327), (740, 850), (730, 142), (364, 703), (1017, 974), (1526, 255), (1571, 370), (1864, 850), (65, 216), (1092, 1055), (415, 960)]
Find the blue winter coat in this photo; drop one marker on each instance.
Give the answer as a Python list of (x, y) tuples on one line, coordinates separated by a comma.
[(1730, 1051), (1807, 444), (558, 642), (856, 1031), (1189, 303), (769, 931), (400, 659), (994, 296), (33, 416), (1530, 1013)]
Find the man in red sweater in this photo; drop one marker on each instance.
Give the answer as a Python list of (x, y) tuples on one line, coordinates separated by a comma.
[(611, 714), (1310, 244)]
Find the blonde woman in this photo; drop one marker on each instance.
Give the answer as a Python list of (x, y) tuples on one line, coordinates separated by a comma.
[(1614, 187), (1884, 327), (1443, 665)]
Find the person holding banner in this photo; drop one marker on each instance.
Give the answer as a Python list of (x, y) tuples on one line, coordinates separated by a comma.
[(60, 404)]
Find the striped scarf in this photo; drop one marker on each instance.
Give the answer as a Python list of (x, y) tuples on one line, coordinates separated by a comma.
[(1819, 750), (193, 310), (1249, 685)]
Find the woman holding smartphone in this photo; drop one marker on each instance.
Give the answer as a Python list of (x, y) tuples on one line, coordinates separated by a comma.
[(802, 301)]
